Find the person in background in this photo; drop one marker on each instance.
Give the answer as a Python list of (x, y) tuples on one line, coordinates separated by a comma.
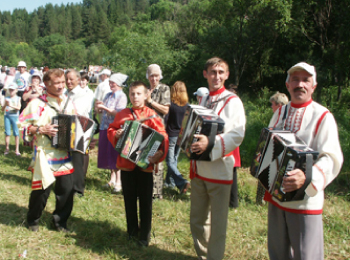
[(113, 103), (277, 100), (22, 80), (179, 102), (295, 228), (34, 89), (83, 105), (201, 94), (11, 107), (158, 100), (84, 85), (103, 88), (137, 182)]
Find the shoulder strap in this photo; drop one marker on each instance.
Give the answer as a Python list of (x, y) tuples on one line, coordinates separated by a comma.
[(141, 119), (284, 117)]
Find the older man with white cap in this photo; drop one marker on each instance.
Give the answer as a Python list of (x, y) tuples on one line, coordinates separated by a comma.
[(159, 100), (295, 228), (22, 76), (103, 88)]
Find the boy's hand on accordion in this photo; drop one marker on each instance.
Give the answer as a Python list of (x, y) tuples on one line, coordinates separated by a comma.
[(119, 133), (294, 180), (49, 129), (156, 157), (201, 145)]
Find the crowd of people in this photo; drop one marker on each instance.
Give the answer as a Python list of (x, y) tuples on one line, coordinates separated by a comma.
[(295, 229)]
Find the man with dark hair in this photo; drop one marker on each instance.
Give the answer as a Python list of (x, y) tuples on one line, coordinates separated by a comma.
[(295, 228), (48, 164), (211, 180)]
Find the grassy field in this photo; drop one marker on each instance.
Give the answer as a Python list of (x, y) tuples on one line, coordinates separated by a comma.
[(99, 228)]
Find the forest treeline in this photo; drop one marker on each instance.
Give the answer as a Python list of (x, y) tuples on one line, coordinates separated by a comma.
[(260, 39)]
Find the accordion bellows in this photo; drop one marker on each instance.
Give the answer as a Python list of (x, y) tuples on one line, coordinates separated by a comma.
[(74, 132), (138, 142), (279, 152), (199, 120)]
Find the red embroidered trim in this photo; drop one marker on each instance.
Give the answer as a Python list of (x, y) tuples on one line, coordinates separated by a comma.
[(319, 121), (63, 172), (222, 146), (216, 92), (279, 114), (226, 103), (324, 176), (213, 180), (268, 198)]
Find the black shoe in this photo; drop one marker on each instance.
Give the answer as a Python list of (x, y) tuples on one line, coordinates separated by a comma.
[(63, 229), (34, 228), (143, 243)]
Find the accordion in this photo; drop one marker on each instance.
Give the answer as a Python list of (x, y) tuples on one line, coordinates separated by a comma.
[(277, 153), (74, 132), (199, 120), (138, 142)]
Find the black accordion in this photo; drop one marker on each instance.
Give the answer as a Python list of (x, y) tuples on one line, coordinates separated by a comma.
[(138, 142), (74, 132), (199, 120), (277, 153)]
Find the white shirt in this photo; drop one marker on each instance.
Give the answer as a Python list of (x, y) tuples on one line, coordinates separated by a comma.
[(22, 80), (82, 101), (102, 89)]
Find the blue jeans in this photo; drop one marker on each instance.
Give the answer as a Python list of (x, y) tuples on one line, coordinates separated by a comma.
[(173, 176), (11, 122)]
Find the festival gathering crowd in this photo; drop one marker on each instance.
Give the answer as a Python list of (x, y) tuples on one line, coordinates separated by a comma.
[(30, 101)]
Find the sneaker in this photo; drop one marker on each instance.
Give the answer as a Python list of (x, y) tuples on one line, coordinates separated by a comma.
[(6, 152), (18, 154)]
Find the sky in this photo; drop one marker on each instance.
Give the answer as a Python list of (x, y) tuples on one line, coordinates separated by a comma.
[(31, 5)]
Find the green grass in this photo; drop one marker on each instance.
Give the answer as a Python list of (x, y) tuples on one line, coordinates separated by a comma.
[(99, 226)]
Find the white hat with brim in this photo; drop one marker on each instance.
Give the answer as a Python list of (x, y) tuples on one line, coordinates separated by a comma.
[(105, 72), (36, 74), (303, 66), (12, 85), (201, 92), (22, 64)]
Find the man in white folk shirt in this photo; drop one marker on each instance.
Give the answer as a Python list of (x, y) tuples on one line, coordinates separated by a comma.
[(211, 180), (295, 228), (83, 104)]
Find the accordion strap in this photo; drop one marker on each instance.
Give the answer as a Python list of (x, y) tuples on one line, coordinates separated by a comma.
[(308, 174), (284, 117), (141, 119)]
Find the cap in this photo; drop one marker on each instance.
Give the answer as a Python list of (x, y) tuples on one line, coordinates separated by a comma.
[(12, 85), (106, 72), (154, 69), (201, 92), (22, 64), (36, 74), (119, 79), (303, 66)]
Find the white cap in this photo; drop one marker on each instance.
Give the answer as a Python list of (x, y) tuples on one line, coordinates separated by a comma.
[(303, 66), (36, 74), (201, 92), (106, 72), (119, 79), (22, 64), (12, 85), (154, 69)]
